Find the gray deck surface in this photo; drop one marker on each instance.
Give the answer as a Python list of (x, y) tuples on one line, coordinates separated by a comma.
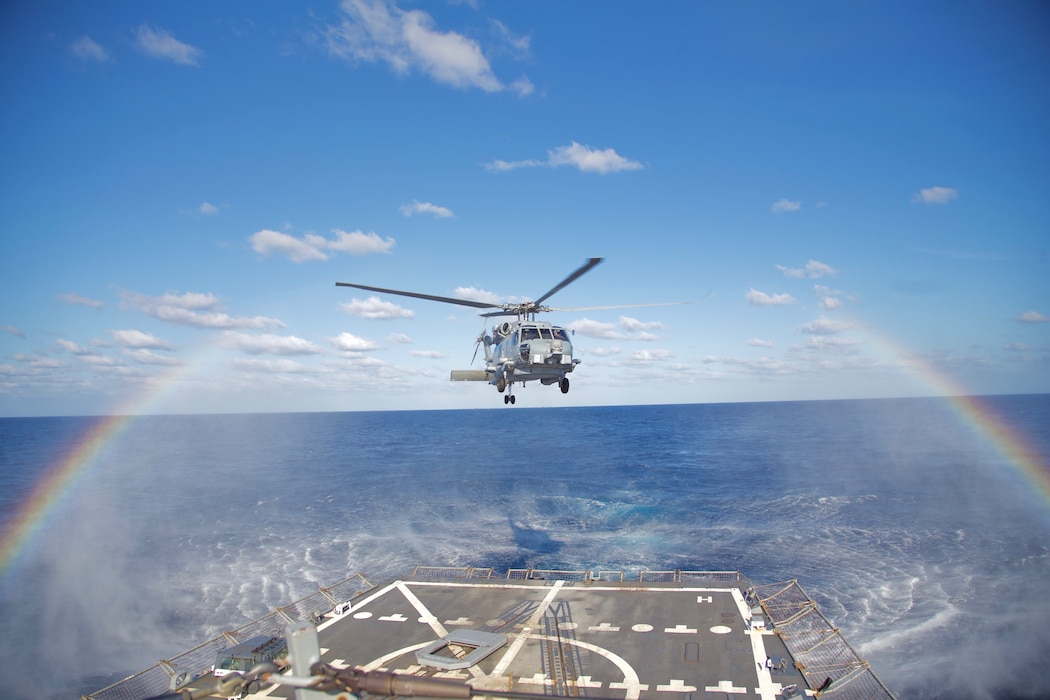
[(568, 638)]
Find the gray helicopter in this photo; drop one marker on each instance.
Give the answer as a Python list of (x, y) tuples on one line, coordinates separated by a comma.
[(523, 350)]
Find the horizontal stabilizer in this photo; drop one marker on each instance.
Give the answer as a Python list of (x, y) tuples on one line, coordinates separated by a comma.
[(469, 375)]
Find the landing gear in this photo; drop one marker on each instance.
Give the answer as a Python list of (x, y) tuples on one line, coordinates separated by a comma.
[(564, 385), (508, 398), (501, 384)]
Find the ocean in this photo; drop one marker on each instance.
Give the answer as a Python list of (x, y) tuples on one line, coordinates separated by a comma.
[(921, 531)]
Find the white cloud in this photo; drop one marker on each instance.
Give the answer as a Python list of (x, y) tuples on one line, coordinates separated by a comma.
[(595, 329), (159, 43), (1032, 317), (314, 247), (585, 158), (785, 205), (377, 30), (825, 326), (604, 352), (295, 249), (280, 365), (398, 338), (268, 344), (140, 339), (358, 243), (417, 207), (828, 298), (194, 309), (632, 324), (375, 308), (814, 269), (475, 294), (101, 361), (763, 366), (352, 343), (650, 356), (147, 357), (825, 342), (77, 300), (13, 331), (935, 195), (86, 49), (71, 347), (44, 362), (427, 354), (759, 343), (758, 298), (518, 44), (207, 209)]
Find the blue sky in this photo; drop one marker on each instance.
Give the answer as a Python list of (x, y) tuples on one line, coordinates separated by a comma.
[(859, 189)]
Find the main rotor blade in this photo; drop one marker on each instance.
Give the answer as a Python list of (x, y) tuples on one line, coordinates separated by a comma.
[(571, 278), (623, 306), (417, 295)]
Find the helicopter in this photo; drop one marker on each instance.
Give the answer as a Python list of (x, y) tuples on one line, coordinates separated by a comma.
[(523, 350)]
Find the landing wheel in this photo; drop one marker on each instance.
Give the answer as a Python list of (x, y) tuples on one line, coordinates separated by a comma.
[(564, 384), (509, 398), (506, 399), (513, 399), (501, 384)]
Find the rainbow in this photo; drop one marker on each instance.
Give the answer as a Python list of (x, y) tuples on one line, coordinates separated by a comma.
[(1007, 441), (55, 483), (975, 412), (65, 473)]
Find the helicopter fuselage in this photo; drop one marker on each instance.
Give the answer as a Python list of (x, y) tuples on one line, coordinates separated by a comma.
[(529, 350)]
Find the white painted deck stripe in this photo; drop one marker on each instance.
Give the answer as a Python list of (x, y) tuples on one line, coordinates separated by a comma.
[(519, 642)]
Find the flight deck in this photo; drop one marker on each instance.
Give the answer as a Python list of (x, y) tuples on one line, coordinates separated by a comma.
[(571, 638), (656, 636)]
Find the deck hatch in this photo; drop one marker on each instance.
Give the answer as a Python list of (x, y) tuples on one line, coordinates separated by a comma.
[(481, 644)]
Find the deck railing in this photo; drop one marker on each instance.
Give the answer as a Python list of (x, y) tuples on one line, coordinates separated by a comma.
[(160, 678), (823, 656)]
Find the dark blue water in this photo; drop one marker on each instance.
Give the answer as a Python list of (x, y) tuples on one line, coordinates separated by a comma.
[(917, 538)]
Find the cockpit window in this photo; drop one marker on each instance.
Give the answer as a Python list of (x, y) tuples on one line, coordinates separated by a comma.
[(545, 333), (530, 333), (561, 334)]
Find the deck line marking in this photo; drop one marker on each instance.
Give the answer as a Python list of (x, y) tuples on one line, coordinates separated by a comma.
[(630, 677), (519, 641), (431, 619), (677, 686), (586, 682), (384, 660), (603, 627), (542, 586), (537, 679), (725, 687), (378, 594), (767, 689), (741, 605), (679, 629)]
